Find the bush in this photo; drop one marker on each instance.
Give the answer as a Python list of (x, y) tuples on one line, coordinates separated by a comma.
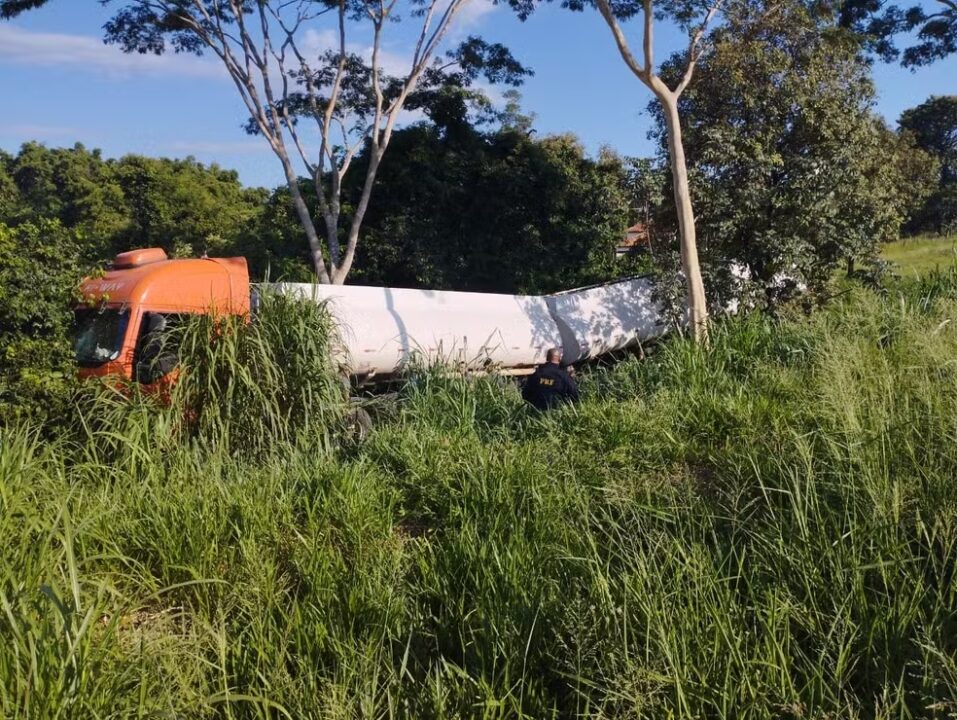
[(40, 268)]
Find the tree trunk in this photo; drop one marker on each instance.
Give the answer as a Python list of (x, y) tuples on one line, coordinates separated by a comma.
[(342, 268), (697, 303), (305, 218)]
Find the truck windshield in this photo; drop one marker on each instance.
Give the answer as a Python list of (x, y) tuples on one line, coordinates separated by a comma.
[(99, 335)]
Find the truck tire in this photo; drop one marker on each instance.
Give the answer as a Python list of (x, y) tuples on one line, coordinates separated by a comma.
[(358, 424), (345, 384)]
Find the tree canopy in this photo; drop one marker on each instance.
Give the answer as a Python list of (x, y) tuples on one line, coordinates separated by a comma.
[(135, 201), (933, 127), (793, 172), (931, 25), (495, 211)]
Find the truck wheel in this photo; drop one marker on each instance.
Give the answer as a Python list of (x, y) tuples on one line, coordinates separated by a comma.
[(358, 424), (345, 384)]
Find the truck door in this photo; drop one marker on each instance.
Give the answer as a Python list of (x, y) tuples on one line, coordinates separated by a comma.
[(157, 348)]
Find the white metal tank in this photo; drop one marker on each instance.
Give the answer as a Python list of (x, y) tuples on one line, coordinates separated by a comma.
[(605, 318), (383, 329)]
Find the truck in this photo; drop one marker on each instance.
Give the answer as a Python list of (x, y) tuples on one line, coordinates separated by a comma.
[(383, 330)]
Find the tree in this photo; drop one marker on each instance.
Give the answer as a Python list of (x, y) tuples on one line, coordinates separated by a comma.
[(347, 99), (919, 173), (933, 126), (796, 175), (183, 206), (646, 181), (513, 117), (494, 211), (75, 186), (880, 23), (112, 205), (9, 195), (39, 268), (694, 16)]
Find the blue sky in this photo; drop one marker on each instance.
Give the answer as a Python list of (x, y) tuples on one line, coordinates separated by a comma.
[(59, 84)]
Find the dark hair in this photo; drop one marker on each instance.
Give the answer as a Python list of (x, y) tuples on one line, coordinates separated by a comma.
[(553, 355)]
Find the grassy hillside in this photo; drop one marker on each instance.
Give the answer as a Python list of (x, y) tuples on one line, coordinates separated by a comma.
[(921, 255), (764, 530)]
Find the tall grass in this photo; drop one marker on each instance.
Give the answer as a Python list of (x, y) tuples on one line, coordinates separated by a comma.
[(921, 255), (243, 388), (767, 529)]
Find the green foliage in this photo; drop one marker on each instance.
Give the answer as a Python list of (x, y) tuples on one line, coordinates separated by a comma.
[(179, 205), (278, 249), (184, 207), (933, 126), (455, 208), (764, 529), (922, 255), (790, 170), (40, 265), (12, 8), (941, 209), (496, 212), (462, 209), (9, 195), (73, 185), (931, 28), (918, 176)]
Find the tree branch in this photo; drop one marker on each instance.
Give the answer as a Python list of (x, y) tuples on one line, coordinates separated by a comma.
[(694, 47), (606, 12)]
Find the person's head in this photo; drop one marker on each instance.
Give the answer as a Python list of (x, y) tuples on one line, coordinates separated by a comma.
[(554, 355)]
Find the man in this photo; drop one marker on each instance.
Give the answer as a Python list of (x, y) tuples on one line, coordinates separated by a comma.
[(550, 385)]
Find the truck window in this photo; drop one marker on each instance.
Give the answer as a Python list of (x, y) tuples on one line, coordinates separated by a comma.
[(99, 335), (157, 349)]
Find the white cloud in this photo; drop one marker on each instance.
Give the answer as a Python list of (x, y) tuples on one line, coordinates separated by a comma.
[(77, 52), (472, 15), (316, 42)]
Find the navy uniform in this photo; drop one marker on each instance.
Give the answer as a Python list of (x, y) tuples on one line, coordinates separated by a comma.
[(549, 386)]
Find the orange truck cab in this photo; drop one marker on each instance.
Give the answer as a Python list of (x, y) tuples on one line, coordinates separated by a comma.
[(136, 299)]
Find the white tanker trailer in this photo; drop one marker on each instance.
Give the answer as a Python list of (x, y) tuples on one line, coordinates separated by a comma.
[(385, 329)]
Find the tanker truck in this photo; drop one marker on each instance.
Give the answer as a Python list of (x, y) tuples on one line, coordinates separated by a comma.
[(382, 329)]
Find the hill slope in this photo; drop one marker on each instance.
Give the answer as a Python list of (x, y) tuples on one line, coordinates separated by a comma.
[(767, 529)]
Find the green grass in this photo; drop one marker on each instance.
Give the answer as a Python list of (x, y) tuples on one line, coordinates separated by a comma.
[(764, 530), (921, 255)]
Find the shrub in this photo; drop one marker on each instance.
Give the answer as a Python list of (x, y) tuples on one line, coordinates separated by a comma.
[(40, 268)]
